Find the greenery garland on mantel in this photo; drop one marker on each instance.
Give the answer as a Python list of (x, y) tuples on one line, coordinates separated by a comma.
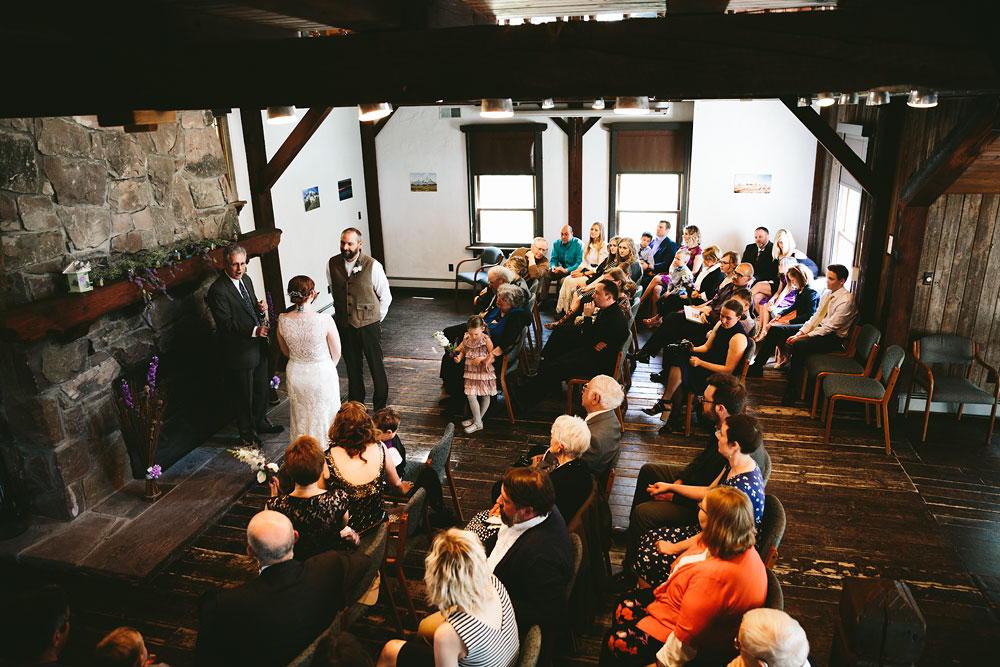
[(141, 268)]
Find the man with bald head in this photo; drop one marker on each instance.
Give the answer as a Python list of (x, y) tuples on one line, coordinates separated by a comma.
[(269, 620), (567, 253)]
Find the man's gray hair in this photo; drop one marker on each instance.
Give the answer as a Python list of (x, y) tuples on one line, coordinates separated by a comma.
[(540, 238), (232, 251), (573, 434), (501, 272), (608, 389), (512, 294)]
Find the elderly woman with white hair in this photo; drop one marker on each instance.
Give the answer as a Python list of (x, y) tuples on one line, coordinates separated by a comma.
[(479, 628), (773, 638), (569, 438)]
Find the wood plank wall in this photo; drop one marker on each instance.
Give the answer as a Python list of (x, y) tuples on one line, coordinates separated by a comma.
[(961, 245), (962, 249)]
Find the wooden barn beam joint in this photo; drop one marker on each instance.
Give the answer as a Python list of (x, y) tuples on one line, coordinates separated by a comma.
[(835, 145), (293, 144)]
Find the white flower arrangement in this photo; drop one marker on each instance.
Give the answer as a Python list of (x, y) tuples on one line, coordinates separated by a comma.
[(255, 458), (443, 341), (356, 269)]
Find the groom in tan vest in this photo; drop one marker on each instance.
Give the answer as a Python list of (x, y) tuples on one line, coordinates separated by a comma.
[(361, 300)]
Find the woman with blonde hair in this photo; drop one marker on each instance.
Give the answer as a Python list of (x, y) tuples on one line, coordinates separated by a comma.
[(697, 610), (692, 242), (579, 279), (628, 259), (478, 627), (784, 246), (356, 460)]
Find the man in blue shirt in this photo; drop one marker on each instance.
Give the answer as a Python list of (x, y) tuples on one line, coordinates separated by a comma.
[(567, 253)]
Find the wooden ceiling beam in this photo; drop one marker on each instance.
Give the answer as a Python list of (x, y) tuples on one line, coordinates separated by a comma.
[(959, 150), (835, 146), (293, 144), (679, 57)]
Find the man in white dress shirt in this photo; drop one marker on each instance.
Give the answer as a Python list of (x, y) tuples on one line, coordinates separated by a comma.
[(361, 301), (826, 330)]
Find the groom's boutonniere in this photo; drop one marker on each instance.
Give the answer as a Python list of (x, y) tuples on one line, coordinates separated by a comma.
[(356, 269)]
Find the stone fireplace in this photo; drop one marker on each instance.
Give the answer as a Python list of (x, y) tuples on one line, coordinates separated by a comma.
[(70, 189)]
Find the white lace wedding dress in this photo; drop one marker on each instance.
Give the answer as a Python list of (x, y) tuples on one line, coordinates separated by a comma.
[(311, 375)]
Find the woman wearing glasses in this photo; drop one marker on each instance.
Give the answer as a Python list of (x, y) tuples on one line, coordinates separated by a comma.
[(697, 610), (738, 437)]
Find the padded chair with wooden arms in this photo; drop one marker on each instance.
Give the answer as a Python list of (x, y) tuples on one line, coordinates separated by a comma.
[(860, 363), (848, 351), (414, 515), (955, 351), (438, 460), (512, 361), (775, 598), (741, 371), (491, 256), (871, 391), (772, 529), (531, 648)]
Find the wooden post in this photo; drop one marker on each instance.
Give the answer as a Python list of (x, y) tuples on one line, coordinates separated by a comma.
[(575, 128), (260, 197), (821, 191), (376, 245)]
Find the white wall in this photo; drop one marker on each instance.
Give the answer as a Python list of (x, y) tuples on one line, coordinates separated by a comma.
[(758, 137), (426, 231), (308, 240)]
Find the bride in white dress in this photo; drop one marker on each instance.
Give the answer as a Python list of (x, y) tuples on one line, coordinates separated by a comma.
[(312, 345)]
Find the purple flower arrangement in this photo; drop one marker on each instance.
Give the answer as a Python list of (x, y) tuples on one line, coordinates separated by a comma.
[(141, 417), (275, 382), (270, 309)]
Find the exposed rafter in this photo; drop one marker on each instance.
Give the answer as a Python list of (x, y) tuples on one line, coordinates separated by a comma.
[(709, 56)]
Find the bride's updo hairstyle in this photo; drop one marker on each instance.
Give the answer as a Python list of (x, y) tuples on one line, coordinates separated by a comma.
[(300, 288), (353, 429)]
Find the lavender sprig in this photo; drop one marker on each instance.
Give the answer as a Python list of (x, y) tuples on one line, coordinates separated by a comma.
[(127, 395), (270, 307), (151, 375)]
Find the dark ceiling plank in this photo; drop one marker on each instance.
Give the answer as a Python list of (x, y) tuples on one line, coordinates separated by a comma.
[(294, 143), (960, 149), (791, 53), (831, 141), (351, 14), (696, 6)]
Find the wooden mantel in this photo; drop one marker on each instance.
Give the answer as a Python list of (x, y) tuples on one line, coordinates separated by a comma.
[(67, 312)]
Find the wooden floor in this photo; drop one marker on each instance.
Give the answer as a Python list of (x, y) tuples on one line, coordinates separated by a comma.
[(929, 514)]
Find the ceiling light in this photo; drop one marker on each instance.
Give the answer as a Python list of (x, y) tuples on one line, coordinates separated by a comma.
[(374, 111), (878, 98), (804, 101), (598, 103), (921, 98), (280, 115), (496, 108), (548, 103), (631, 106), (825, 99), (848, 98)]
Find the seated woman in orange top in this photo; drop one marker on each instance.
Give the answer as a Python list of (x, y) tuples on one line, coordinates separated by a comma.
[(697, 611)]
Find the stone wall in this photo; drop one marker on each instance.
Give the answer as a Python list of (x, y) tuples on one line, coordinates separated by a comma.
[(70, 189)]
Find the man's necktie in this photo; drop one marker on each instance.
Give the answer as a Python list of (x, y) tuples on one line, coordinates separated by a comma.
[(246, 299), (822, 311)]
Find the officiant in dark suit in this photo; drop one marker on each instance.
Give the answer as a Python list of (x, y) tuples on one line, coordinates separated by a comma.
[(240, 325), (271, 619)]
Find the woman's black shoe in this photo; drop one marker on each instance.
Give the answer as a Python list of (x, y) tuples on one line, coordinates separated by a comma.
[(657, 408)]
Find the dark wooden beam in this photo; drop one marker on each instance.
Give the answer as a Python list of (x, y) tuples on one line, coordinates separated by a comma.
[(367, 15), (909, 242), (791, 53), (573, 127), (957, 152), (696, 6), (382, 122), (829, 139), (821, 190), (260, 197), (295, 142), (369, 162)]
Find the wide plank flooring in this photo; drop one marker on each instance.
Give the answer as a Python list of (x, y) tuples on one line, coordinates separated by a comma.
[(928, 514)]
